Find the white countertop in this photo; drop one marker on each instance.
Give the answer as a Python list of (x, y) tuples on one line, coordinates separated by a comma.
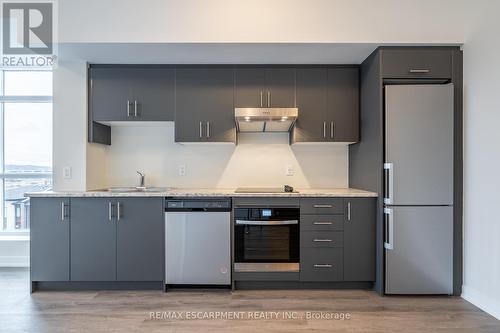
[(209, 192)]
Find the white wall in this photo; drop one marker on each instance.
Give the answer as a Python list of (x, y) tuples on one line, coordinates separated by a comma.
[(69, 124), (325, 21), (257, 160), (482, 158)]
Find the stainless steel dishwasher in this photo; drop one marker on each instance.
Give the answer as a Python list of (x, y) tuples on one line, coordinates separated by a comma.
[(198, 242)]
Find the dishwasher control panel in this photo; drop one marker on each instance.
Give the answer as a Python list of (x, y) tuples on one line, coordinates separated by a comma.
[(172, 204)]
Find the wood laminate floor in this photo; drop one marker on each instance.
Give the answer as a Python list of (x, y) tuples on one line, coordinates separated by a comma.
[(148, 311)]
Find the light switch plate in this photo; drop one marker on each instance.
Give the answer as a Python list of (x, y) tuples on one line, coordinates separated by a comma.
[(289, 170), (67, 172), (182, 170)]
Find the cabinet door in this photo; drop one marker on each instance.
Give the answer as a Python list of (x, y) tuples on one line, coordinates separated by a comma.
[(343, 104), (280, 87), (49, 239), (249, 87), (359, 239), (111, 89), (153, 90), (93, 239), (416, 64), (204, 105), (312, 104), (139, 227)]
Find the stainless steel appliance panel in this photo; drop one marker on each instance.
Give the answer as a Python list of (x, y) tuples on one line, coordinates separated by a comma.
[(198, 248), (419, 144), (419, 250)]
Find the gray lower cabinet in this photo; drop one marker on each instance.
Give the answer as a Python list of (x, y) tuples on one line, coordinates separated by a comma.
[(204, 105), (337, 239), (139, 237), (132, 93), (93, 239), (49, 240), (97, 239), (117, 239), (359, 239), (318, 264)]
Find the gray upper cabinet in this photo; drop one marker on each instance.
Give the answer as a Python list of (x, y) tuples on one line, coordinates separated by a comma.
[(132, 93), (415, 63), (139, 247), (359, 239), (280, 87), (328, 102), (343, 104), (264, 87), (49, 240), (312, 103), (250, 88), (93, 239), (204, 105)]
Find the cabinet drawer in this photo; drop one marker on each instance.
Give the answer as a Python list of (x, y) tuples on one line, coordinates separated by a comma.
[(416, 64), (321, 264), (321, 239), (322, 222), (321, 206)]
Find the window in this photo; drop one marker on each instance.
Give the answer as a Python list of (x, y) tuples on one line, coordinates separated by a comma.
[(25, 142)]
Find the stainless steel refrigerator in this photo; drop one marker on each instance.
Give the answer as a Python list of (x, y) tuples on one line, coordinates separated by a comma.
[(418, 200)]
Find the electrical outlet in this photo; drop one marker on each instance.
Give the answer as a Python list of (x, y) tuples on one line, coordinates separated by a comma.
[(289, 170), (182, 170), (67, 172)]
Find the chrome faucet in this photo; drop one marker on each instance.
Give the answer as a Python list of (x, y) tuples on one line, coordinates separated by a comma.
[(142, 178)]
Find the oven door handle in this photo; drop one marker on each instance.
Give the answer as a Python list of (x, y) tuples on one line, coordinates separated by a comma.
[(273, 222)]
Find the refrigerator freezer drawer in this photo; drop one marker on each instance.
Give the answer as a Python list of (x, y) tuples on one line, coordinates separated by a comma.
[(420, 260)]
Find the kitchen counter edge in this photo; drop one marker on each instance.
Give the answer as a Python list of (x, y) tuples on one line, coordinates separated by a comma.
[(341, 192)]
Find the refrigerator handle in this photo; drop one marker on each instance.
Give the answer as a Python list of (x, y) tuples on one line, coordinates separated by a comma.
[(389, 229), (389, 183)]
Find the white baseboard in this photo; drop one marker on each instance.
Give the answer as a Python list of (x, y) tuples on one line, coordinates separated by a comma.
[(484, 302), (14, 261)]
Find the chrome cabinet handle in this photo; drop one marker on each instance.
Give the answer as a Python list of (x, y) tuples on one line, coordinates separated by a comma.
[(135, 108), (201, 129), (118, 210), (322, 240), (323, 206), (331, 129), (128, 108), (348, 211), (324, 130), (389, 186), (267, 222), (63, 215), (420, 71), (322, 223), (208, 129), (261, 98), (389, 228), (323, 265), (268, 99), (110, 211)]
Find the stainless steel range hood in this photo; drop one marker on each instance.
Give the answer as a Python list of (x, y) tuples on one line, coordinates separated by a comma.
[(265, 119)]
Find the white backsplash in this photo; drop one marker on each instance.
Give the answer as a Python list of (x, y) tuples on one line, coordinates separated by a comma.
[(259, 159)]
